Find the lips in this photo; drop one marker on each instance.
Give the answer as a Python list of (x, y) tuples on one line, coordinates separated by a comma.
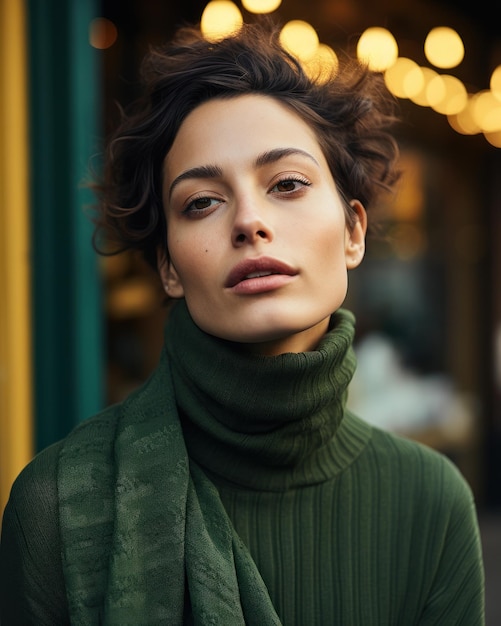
[(257, 268)]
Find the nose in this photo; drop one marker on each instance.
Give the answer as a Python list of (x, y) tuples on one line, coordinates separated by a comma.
[(250, 224)]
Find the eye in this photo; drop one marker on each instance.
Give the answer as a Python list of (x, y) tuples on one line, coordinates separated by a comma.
[(201, 205), (290, 184)]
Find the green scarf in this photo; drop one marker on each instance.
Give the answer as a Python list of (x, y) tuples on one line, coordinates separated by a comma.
[(146, 539)]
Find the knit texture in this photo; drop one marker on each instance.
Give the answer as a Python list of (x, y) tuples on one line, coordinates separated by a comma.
[(265, 420)]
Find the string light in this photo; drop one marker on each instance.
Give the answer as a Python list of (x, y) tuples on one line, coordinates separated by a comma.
[(487, 111), (220, 19), (467, 114), (261, 6), (453, 94), (443, 47), (323, 65), (495, 82), (464, 122), (300, 39), (421, 97), (404, 78), (494, 138), (378, 48)]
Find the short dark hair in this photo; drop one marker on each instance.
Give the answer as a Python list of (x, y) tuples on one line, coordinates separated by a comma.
[(351, 114)]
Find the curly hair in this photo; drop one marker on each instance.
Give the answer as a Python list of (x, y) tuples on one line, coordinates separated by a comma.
[(351, 115)]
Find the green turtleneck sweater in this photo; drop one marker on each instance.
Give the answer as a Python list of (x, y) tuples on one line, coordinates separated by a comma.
[(348, 525)]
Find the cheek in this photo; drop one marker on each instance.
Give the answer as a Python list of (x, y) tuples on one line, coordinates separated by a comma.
[(186, 242), (193, 261), (326, 237), (328, 255)]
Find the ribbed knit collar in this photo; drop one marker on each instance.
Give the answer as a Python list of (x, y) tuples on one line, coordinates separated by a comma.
[(264, 422)]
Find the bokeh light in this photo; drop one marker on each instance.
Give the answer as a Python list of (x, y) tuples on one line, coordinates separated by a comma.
[(421, 97), (102, 33), (454, 98), (261, 6), (443, 47), (494, 138), (404, 78), (220, 19), (323, 64), (487, 111), (464, 122), (378, 48), (495, 82), (300, 39)]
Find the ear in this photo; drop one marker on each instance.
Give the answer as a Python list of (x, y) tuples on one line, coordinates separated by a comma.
[(355, 237), (171, 281)]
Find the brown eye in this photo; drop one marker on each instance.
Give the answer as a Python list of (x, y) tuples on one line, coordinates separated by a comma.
[(290, 185), (202, 206), (286, 185), (201, 203)]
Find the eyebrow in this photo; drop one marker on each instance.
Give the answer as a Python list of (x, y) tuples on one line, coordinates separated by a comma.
[(214, 171), (202, 171), (272, 156)]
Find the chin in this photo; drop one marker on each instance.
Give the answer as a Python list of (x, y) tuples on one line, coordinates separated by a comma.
[(274, 340), (259, 325)]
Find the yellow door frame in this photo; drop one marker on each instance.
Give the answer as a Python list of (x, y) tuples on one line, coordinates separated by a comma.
[(16, 428)]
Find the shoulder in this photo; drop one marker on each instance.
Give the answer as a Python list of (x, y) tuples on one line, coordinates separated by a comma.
[(411, 454), (36, 484), (31, 581), (438, 525), (35, 488), (425, 472), (100, 427)]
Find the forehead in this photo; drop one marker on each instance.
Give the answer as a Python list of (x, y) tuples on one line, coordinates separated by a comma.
[(225, 129)]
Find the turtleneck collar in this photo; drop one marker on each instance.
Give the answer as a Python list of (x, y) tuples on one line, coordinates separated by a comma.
[(261, 421)]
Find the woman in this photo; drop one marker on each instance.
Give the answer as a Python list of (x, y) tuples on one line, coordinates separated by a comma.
[(234, 487)]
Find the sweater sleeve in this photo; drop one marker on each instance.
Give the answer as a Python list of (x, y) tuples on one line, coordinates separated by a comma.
[(457, 592), (31, 579)]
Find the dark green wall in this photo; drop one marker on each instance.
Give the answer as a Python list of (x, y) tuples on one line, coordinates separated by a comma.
[(64, 133)]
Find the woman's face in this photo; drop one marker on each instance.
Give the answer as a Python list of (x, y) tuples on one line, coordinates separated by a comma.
[(256, 229)]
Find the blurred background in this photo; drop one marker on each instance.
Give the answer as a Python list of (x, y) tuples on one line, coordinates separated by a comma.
[(78, 332)]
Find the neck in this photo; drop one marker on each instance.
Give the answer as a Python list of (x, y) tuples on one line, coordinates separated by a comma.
[(304, 341), (246, 415)]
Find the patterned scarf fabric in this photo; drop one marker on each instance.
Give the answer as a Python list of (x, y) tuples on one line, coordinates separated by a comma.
[(146, 539)]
